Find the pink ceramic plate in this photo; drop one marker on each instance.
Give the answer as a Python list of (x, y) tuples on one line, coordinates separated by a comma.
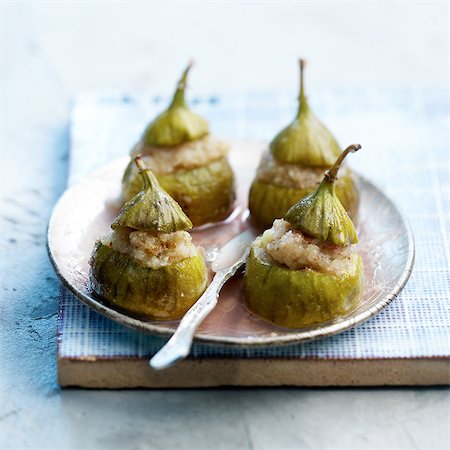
[(86, 211)]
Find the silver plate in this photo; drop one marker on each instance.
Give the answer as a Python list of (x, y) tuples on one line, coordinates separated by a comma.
[(85, 211)]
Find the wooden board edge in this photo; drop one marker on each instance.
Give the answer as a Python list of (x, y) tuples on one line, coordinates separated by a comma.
[(203, 373)]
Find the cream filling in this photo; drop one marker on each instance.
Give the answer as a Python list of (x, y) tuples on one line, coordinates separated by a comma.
[(151, 250), (188, 155), (293, 176), (293, 249)]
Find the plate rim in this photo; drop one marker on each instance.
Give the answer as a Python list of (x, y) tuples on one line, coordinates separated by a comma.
[(289, 339)]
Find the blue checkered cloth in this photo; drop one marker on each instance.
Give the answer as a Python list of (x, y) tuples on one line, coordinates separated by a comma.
[(406, 143)]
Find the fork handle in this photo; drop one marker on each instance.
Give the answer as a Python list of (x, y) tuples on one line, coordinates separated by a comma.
[(180, 343)]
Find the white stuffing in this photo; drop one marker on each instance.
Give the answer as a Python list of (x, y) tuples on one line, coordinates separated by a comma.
[(297, 251), (151, 250), (189, 155), (290, 175)]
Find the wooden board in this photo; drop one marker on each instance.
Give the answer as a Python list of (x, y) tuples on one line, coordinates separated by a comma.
[(194, 373)]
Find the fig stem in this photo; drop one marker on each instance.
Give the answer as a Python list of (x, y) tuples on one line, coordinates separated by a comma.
[(183, 79), (178, 99), (146, 174), (140, 164), (331, 174), (302, 97)]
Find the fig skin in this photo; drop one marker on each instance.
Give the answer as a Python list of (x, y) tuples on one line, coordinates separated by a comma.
[(206, 194), (298, 298), (268, 202), (161, 294), (177, 124), (306, 141), (152, 209)]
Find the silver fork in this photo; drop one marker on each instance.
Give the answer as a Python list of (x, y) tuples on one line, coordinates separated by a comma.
[(229, 259)]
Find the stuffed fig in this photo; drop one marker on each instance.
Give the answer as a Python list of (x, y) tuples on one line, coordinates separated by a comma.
[(293, 165), (305, 269), (148, 264), (190, 163)]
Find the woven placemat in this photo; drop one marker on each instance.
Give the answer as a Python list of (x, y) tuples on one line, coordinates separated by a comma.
[(406, 152)]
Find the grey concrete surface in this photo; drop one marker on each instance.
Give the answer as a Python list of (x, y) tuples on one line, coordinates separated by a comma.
[(49, 51)]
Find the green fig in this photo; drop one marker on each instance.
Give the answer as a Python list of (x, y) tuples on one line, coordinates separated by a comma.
[(205, 193), (299, 298), (148, 265), (306, 140), (305, 269), (162, 294), (320, 214), (269, 201), (189, 163), (305, 144), (178, 124), (152, 208)]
